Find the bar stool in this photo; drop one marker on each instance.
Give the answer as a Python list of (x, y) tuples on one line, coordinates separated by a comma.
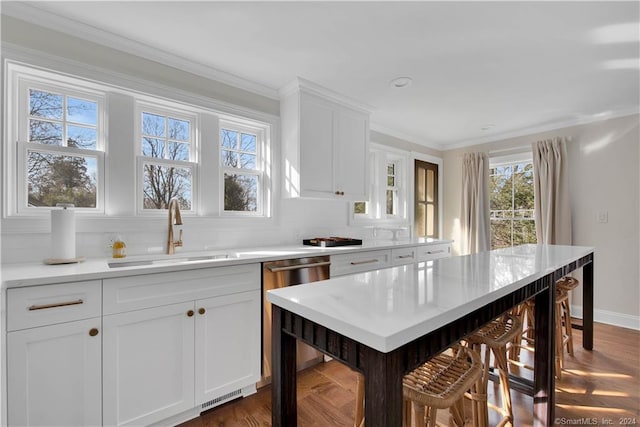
[(568, 284), (442, 383), (439, 383), (563, 332), (495, 336)]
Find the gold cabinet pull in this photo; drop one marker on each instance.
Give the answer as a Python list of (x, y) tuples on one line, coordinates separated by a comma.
[(369, 261), (93, 332), (54, 305), (190, 313), (201, 310)]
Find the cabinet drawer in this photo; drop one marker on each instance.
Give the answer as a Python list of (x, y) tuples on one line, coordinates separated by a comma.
[(33, 306), (429, 252), (401, 256), (358, 262), (153, 290)]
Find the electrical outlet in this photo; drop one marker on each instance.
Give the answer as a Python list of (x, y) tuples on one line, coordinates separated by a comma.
[(602, 217)]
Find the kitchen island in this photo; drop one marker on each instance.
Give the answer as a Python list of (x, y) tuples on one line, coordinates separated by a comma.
[(387, 322)]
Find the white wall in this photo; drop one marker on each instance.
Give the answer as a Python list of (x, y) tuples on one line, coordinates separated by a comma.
[(603, 176)]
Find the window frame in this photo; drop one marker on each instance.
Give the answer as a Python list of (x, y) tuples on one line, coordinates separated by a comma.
[(174, 111), (509, 160), (376, 207), (23, 79), (261, 171)]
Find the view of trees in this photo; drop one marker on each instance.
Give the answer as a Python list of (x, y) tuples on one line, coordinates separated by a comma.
[(511, 192), (239, 153), (58, 178), (165, 138)]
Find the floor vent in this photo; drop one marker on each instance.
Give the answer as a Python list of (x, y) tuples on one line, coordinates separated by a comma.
[(221, 399)]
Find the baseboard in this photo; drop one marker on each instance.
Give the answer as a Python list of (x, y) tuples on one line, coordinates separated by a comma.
[(609, 317)]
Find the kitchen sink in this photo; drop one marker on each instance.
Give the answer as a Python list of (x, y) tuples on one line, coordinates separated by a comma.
[(170, 260)]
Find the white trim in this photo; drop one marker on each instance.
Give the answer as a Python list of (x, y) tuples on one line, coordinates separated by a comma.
[(300, 84), (532, 130), (609, 317), (510, 159), (52, 21), (377, 127)]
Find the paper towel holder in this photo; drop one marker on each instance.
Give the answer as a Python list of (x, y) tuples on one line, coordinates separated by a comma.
[(73, 260)]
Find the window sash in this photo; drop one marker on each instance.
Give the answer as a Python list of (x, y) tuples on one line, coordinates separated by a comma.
[(22, 194), (258, 171)]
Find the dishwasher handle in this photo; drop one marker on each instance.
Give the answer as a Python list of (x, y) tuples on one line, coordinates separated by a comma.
[(298, 266)]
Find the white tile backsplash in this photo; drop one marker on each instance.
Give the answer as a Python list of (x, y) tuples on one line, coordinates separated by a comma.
[(296, 219)]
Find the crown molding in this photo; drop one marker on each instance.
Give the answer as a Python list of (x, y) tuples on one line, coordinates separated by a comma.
[(599, 117), (42, 18), (300, 84), (376, 127)]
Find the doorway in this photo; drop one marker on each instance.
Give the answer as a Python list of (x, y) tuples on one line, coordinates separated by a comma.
[(426, 199)]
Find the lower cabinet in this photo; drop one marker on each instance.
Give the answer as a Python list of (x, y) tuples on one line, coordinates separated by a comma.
[(54, 375), (162, 361)]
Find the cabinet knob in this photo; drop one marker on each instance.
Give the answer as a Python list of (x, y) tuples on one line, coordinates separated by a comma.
[(93, 332), (339, 193), (190, 313), (201, 310)]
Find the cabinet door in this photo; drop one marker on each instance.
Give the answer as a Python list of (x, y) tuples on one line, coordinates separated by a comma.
[(54, 375), (316, 147), (227, 344), (351, 152), (148, 364)]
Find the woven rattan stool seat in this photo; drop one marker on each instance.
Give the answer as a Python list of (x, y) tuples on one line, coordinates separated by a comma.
[(437, 384), (497, 333), (444, 379), (567, 283)]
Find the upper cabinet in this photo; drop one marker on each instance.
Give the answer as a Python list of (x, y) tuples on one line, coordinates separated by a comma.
[(325, 143)]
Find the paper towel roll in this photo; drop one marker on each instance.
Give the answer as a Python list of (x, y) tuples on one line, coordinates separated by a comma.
[(63, 233)]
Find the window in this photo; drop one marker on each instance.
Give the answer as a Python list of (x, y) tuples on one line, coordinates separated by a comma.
[(242, 162), (167, 154), (511, 192), (387, 198), (60, 148)]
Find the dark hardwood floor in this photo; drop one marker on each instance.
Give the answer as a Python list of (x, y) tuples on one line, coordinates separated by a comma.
[(601, 387)]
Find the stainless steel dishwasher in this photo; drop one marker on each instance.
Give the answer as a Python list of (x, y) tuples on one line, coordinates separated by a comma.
[(278, 274)]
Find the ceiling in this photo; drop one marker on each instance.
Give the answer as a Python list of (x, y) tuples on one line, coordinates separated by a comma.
[(481, 71)]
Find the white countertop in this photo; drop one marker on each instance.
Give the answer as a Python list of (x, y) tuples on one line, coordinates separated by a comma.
[(387, 308), (33, 273)]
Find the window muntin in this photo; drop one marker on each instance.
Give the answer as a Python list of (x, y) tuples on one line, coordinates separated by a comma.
[(511, 205), (167, 158), (242, 165), (60, 144), (387, 198)]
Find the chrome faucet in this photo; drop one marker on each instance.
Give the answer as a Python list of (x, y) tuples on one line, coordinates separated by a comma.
[(174, 218)]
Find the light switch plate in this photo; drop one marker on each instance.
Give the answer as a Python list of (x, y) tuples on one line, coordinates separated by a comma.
[(603, 217)]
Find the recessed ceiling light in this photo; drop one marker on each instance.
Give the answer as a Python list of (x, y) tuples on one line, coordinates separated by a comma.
[(487, 126), (400, 82)]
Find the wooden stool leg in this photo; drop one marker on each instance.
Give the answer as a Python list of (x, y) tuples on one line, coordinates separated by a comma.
[(503, 369), (559, 342), (567, 326), (359, 416), (417, 415)]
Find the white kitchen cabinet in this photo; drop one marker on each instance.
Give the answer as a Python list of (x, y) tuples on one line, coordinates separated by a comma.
[(434, 251), (54, 354), (148, 364), (400, 256), (325, 144), (227, 331), (357, 262), (179, 343)]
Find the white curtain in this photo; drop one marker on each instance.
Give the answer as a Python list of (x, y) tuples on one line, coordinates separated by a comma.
[(551, 192), (474, 220)]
